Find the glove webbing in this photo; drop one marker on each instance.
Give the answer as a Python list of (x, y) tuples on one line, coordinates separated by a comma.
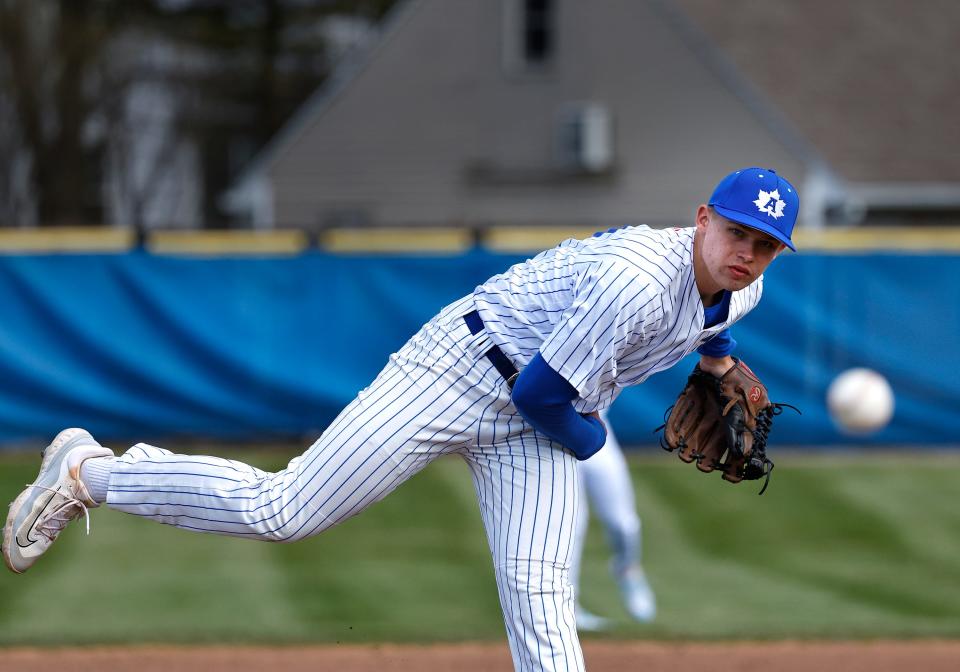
[(758, 465)]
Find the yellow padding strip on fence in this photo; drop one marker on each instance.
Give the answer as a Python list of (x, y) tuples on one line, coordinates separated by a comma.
[(861, 239), (427, 240), (66, 239), (531, 239), (215, 243), (407, 239), (877, 238)]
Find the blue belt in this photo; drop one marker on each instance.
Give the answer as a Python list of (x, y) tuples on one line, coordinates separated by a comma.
[(494, 354)]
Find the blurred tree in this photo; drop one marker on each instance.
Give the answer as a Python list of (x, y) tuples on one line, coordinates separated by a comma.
[(103, 102), (47, 50)]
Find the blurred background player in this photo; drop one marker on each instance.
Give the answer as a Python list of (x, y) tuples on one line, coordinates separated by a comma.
[(605, 478)]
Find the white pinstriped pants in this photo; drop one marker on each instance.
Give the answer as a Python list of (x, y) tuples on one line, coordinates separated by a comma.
[(437, 395)]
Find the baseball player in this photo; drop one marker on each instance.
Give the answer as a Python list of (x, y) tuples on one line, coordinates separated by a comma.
[(578, 322), (605, 479)]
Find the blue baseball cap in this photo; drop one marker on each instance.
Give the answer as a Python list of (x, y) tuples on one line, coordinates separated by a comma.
[(760, 199)]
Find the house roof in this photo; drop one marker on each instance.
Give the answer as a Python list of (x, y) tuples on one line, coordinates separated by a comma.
[(874, 85)]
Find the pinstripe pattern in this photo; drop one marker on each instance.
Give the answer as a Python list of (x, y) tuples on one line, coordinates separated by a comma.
[(529, 494), (437, 395), (605, 312)]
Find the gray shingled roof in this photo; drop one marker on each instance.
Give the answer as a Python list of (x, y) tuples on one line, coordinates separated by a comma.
[(874, 85)]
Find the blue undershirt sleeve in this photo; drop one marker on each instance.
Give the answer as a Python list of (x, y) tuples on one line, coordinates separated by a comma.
[(720, 345), (543, 396)]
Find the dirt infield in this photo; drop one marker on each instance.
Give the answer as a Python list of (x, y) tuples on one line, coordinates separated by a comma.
[(929, 656)]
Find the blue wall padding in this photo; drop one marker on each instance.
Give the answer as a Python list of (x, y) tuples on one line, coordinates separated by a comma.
[(141, 346)]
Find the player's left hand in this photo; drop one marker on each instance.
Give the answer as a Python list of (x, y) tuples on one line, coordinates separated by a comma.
[(722, 423)]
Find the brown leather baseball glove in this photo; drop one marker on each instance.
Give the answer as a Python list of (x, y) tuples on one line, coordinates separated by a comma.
[(722, 424)]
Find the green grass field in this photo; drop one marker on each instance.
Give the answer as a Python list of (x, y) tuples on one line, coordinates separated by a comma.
[(838, 547)]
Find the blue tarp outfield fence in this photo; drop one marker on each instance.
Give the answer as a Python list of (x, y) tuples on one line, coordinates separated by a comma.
[(140, 346)]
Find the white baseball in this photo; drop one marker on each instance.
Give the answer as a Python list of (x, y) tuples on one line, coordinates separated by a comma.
[(860, 401)]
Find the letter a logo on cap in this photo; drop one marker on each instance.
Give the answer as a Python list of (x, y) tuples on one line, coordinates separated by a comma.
[(769, 203), (760, 199)]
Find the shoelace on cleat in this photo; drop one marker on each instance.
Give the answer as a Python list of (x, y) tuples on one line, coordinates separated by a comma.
[(54, 523)]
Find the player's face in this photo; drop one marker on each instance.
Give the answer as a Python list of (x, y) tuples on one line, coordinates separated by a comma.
[(731, 255)]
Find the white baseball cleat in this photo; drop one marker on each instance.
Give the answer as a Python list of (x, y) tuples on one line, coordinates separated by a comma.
[(589, 622), (42, 511), (637, 595)]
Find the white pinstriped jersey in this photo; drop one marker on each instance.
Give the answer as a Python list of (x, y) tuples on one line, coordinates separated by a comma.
[(605, 312)]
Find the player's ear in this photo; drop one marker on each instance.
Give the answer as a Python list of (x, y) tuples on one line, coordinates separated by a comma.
[(703, 217)]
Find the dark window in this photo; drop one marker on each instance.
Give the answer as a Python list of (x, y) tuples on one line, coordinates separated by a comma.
[(537, 30)]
